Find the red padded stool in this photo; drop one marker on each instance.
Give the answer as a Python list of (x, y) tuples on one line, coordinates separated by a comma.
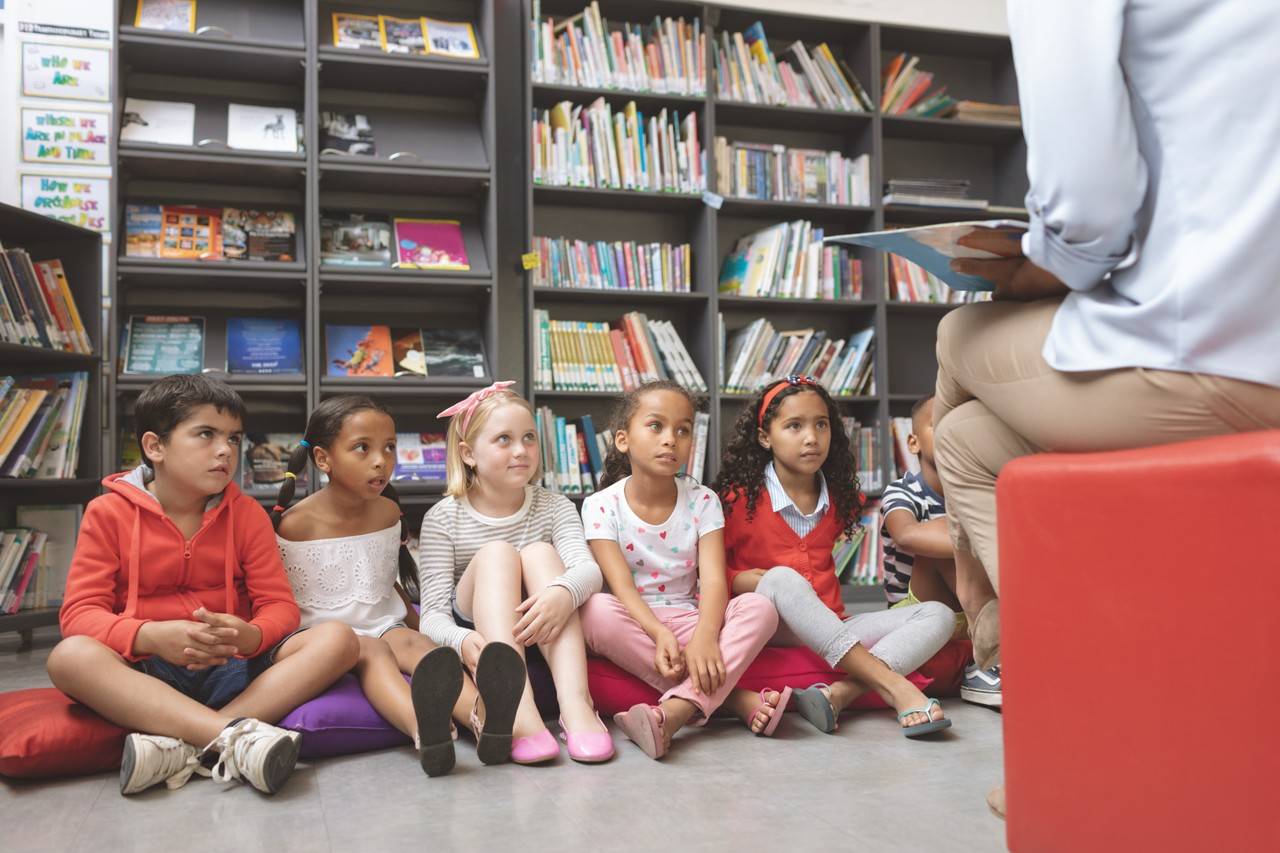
[(1139, 593)]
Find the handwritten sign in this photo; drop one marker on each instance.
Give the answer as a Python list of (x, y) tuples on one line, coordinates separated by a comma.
[(82, 201), (66, 136), (63, 71)]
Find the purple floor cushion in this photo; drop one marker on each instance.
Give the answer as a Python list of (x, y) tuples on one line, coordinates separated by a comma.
[(341, 721)]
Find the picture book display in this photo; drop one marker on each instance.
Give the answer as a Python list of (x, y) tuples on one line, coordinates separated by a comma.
[(356, 31), (454, 352), (359, 350), (186, 232), (37, 308), (262, 128), (456, 39), (161, 122), (263, 346), (172, 15), (933, 247), (160, 345), (419, 456), (407, 351), (413, 36), (346, 133), (266, 459), (401, 35), (430, 244), (355, 240), (258, 235)]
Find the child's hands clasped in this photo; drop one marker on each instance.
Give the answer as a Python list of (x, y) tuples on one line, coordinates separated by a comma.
[(543, 615), (669, 658), (706, 665), (194, 645)]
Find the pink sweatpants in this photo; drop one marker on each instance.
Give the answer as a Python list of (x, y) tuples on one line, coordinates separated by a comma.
[(749, 622)]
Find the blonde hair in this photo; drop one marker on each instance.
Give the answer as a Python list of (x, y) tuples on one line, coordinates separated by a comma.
[(459, 476)]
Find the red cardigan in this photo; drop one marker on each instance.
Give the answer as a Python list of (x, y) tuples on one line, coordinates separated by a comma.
[(766, 540)]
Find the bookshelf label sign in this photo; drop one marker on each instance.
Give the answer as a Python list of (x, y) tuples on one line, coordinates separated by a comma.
[(712, 200), (77, 200), (530, 261), (64, 71), (66, 136)]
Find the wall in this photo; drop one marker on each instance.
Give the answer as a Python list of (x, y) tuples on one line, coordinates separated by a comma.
[(979, 16)]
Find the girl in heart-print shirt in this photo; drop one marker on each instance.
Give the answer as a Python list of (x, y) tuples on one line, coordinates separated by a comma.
[(659, 539)]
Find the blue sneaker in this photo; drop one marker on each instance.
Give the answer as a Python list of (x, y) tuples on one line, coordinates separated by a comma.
[(982, 686)]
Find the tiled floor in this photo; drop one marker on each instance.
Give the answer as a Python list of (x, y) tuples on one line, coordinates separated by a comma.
[(865, 788)]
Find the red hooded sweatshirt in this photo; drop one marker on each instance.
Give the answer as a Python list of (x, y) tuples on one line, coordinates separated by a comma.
[(132, 566)]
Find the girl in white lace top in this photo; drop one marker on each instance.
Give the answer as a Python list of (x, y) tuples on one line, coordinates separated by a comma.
[(343, 552)]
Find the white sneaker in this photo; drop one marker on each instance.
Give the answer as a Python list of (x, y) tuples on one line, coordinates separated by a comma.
[(255, 752), (151, 759)]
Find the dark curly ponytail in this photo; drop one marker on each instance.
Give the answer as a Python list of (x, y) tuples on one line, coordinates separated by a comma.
[(323, 427), (617, 465), (743, 463)]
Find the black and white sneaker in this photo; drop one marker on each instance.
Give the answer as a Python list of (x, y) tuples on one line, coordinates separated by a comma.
[(982, 686)]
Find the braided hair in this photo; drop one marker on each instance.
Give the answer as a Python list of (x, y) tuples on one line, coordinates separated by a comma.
[(742, 466), (323, 428), (617, 465)]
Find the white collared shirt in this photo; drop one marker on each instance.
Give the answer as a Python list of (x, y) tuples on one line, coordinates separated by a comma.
[(801, 524)]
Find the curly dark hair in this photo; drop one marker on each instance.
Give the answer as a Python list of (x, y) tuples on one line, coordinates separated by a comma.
[(744, 461), (617, 464)]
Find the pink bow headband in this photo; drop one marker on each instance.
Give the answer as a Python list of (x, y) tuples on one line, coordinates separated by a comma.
[(468, 406)]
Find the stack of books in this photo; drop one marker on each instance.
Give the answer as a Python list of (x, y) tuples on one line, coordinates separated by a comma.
[(865, 444), (593, 146), (982, 111), (758, 354), (748, 71), (600, 265), (859, 560), (906, 90), (908, 282), (789, 260), (778, 173), (40, 421), (572, 355), (932, 192), (36, 306), (667, 56), (35, 556)]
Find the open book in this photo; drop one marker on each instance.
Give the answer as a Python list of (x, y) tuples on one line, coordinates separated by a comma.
[(934, 246)]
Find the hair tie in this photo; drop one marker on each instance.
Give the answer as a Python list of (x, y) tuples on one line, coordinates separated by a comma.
[(290, 475), (468, 406), (277, 508), (304, 443), (788, 382)]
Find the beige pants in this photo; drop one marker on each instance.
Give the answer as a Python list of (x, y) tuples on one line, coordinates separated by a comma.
[(998, 399)]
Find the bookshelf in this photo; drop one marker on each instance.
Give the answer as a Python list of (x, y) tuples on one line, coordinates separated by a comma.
[(991, 155), (81, 254), (436, 136)]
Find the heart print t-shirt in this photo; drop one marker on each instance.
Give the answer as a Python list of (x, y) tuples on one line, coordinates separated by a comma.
[(663, 558)]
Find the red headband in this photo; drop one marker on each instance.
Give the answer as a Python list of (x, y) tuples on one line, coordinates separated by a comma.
[(788, 382)]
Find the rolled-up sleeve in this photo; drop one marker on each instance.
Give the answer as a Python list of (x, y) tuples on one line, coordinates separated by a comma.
[(1087, 177)]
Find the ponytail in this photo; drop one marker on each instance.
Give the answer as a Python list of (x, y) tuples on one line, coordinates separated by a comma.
[(407, 565), (298, 460)]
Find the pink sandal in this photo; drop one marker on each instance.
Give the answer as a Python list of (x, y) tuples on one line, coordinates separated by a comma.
[(645, 725), (784, 698)]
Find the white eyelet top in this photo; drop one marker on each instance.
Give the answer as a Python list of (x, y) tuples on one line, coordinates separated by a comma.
[(349, 579)]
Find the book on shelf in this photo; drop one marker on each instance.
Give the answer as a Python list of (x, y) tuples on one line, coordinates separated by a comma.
[(158, 345), (266, 459), (258, 235), (37, 308), (908, 282), (413, 36), (575, 355), (790, 260), (452, 39), (355, 240), (859, 559), (257, 128), (346, 133), (420, 456), (620, 265), (666, 56), (401, 35), (747, 71), (430, 244), (454, 352), (933, 247), (189, 232), (982, 111), (594, 146), (359, 350), (907, 90), (904, 460), (932, 192), (175, 16), (376, 350), (355, 31), (758, 354), (159, 122), (44, 581), (778, 173), (864, 443), (41, 416), (264, 345)]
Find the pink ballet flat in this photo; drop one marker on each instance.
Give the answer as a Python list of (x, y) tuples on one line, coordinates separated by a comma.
[(588, 747), (534, 749)]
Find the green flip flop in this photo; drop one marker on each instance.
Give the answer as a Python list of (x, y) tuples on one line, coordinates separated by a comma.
[(815, 707), (922, 729)]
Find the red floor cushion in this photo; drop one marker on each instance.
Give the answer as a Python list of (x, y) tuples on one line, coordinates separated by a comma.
[(45, 733)]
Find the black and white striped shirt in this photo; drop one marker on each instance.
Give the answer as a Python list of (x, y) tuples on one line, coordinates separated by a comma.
[(912, 494)]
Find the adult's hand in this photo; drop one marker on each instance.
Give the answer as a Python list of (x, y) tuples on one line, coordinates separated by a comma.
[(1016, 278)]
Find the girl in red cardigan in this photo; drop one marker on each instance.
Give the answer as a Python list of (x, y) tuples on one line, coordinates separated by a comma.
[(789, 489)]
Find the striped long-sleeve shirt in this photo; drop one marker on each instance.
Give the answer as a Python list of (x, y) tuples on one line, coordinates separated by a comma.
[(453, 531)]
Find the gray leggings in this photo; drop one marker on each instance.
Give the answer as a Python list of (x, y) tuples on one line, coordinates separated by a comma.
[(903, 638)]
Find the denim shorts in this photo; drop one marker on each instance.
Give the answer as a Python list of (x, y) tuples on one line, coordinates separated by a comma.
[(216, 686)]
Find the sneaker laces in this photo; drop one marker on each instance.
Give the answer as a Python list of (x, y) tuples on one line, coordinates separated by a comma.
[(172, 760), (235, 761)]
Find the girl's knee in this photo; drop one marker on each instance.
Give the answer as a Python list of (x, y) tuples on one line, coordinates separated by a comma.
[(541, 551), (780, 578), (935, 612), (596, 614), (337, 641), (496, 552), (758, 608)]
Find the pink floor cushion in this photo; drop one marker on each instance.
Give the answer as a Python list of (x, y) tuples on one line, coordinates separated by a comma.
[(341, 721), (615, 690), (44, 733)]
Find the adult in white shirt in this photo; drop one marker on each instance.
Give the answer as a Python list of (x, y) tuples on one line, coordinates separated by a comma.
[(1143, 304)]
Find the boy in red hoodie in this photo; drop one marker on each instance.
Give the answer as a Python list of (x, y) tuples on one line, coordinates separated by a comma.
[(178, 616)]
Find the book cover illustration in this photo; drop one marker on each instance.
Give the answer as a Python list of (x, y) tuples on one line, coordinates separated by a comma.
[(142, 227), (406, 350), (346, 133), (266, 458), (356, 31), (419, 456), (264, 345), (933, 247), (359, 350), (430, 244), (258, 235), (262, 128), (161, 122), (178, 16), (450, 38), (454, 352), (191, 233), (164, 345), (355, 241), (401, 35)]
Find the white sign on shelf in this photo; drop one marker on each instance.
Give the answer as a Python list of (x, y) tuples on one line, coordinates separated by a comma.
[(76, 199), (80, 137), (65, 71)]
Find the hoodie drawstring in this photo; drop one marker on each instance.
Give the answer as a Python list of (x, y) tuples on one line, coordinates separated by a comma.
[(229, 558), (135, 545)]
